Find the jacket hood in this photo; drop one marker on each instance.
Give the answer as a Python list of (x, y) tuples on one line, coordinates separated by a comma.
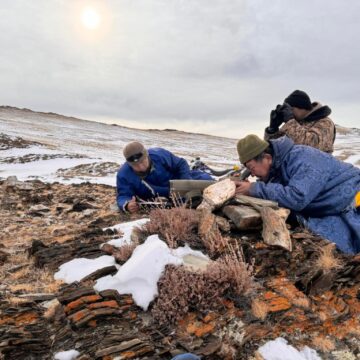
[(281, 147), (318, 112)]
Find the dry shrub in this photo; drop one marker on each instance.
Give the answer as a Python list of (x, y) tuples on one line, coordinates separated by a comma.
[(238, 272), (124, 252), (181, 291), (326, 260), (215, 243), (176, 226), (323, 344)]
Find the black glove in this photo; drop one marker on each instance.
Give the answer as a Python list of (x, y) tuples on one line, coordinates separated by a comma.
[(275, 119), (286, 113)]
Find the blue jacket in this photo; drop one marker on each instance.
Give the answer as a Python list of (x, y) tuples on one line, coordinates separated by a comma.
[(317, 187), (165, 166)]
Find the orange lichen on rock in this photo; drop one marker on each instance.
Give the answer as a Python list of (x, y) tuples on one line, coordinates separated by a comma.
[(284, 287), (24, 318), (323, 343), (344, 329), (200, 329), (128, 355), (109, 303), (210, 317), (275, 302), (79, 315), (92, 323), (81, 301)]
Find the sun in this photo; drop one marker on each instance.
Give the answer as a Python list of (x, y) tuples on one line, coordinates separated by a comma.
[(90, 18)]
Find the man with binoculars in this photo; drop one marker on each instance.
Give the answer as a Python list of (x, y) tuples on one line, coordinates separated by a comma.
[(306, 123)]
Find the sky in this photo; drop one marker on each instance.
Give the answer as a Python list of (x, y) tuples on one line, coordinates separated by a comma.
[(209, 66)]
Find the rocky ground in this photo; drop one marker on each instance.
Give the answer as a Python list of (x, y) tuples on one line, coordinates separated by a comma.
[(309, 296)]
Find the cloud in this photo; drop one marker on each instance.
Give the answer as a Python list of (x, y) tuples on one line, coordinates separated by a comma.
[(213, 65)]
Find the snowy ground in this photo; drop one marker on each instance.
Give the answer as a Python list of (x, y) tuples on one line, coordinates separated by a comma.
[(74, 150)]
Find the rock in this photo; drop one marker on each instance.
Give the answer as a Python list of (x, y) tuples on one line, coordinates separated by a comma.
[(217, 194), (275, 231), (243, 217), (38, 210), (195, 263)]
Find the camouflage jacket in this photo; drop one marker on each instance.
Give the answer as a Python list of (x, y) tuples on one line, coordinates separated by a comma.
[(316, 130)]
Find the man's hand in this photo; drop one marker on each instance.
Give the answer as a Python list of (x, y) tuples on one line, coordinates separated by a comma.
[(242, 187), (286, 112), (132, 206), (276, 119)]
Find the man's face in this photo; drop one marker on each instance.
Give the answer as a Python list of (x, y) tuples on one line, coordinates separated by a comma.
[(261, 168), (141, 166), (298, 113)]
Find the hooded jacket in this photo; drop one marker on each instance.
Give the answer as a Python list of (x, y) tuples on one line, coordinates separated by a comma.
[(316, 130)]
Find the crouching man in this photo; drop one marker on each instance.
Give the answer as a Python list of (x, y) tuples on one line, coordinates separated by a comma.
[(146, 175), (319, 189)]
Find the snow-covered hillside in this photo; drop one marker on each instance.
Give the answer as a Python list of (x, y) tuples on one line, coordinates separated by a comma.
[(66, 149)]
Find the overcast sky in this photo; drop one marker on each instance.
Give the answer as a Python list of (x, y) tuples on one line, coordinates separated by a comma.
[(211, 66)]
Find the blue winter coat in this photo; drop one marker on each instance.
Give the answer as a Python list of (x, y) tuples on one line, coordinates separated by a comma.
[(165, 166), (319, 188)]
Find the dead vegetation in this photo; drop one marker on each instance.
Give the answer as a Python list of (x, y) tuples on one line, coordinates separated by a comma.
[(176, 226), (327, 260), (182, 291)]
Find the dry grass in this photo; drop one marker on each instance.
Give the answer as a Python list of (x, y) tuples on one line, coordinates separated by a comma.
[(326, 260), (215, 243), (124, 252), (259, 309), (175, 226), (323, 344), (238, 272)]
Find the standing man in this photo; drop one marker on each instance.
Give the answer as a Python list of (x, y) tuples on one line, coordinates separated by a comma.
[(321, 191), (306, 123), (146, 175)]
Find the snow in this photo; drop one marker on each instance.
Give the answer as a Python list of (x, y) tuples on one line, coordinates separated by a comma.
[(64, 135), (43, 169), (126, 228), (279, 349), (77, 269), (140, 274), (66, 355)]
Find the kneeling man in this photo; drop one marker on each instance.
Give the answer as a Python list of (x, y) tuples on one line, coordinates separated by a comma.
[(322, 191), (146, 175)]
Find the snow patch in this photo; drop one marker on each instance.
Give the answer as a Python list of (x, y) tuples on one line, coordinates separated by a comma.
[(279, 349), (77, 269), (66, 355), (126, 228), (140, 274)]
